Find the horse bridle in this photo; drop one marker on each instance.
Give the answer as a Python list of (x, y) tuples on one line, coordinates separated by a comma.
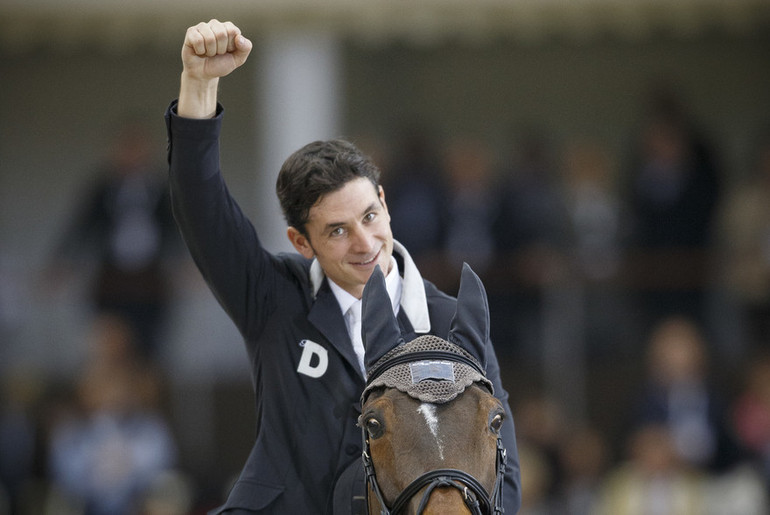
[(474, 495)]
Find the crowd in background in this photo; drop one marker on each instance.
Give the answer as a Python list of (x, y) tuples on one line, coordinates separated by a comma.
[(647, 273), (643, 279)]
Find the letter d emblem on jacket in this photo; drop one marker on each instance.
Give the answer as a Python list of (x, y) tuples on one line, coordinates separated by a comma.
[(309, 366)]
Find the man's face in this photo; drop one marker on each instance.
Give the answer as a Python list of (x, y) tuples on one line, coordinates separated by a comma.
[(348, 231)]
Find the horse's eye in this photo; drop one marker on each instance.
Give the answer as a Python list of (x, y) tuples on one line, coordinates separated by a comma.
[(373, 427), (496, 423)]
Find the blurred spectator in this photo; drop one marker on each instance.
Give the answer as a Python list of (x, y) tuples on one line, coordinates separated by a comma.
[(596, 221), (471, 200), (744, 242), (530, 225), (12, 305), (124, 222), (678, 394), (741, 491), (584, 459), (673, 194), (416, 196), (653, 480), (529, 233), (19, 450), (536, 481), (542, 424), (170, 494), (107, 452), (594, 210), (751, 413)]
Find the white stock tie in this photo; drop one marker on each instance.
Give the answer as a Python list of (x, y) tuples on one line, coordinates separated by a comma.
[(354, 324)]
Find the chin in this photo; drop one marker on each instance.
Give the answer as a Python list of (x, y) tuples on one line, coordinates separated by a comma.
[(385, 265)]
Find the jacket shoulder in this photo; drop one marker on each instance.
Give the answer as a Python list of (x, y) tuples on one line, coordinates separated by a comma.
[(295, 266)]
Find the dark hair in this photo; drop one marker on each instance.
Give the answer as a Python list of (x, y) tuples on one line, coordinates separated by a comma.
[(316, 169)]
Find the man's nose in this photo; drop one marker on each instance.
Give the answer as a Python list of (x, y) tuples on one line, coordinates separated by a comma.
[(362, 240)]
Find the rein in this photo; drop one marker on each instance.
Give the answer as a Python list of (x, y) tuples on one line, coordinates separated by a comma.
[(474, 495)]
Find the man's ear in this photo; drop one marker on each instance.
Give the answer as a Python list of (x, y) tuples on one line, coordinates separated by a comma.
[(381, 195), (300, 242)]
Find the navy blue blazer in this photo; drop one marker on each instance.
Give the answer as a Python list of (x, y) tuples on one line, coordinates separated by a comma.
[(306, 378)]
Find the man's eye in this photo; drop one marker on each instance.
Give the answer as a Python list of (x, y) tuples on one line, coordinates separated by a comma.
[(370, 216), (339, 231)]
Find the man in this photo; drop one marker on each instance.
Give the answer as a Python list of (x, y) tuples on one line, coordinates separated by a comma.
[(296, 312)]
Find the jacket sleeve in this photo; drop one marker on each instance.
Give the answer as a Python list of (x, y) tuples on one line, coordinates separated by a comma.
[(222, 241), (512, 490)]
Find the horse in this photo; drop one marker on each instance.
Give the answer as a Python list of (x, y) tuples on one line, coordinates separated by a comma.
[(429, 420)]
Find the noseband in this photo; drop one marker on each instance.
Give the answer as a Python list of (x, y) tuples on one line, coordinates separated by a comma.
[(474, 495)]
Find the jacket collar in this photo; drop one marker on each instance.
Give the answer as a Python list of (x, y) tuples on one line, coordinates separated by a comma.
[(414, 302)]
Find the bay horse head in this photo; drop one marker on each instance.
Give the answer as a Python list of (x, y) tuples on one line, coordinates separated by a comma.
[(429, 419)]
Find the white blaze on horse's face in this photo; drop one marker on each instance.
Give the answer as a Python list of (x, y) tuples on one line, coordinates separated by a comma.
[(429, 412)]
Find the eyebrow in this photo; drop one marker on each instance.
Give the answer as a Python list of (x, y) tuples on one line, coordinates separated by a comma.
[(333, 225)]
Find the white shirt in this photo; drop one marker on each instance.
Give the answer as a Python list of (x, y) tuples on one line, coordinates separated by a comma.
[(351, 308)]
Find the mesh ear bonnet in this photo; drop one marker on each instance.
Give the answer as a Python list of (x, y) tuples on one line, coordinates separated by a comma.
[(436, 381)]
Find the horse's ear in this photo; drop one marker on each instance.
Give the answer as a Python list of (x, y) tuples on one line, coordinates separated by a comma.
[(470, 325), (379, 327)]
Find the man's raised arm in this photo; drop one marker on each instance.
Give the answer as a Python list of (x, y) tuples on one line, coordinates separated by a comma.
[(210, 51)]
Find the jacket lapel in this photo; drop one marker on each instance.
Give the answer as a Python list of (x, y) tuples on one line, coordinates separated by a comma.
[(326, 317)]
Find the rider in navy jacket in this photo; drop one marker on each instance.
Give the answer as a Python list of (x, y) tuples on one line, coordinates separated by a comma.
[(306, 375)]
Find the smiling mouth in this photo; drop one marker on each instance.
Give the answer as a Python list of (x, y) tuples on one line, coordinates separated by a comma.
[(369, 262)]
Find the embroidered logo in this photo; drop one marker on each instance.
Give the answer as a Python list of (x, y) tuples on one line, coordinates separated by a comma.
[(314, 360)]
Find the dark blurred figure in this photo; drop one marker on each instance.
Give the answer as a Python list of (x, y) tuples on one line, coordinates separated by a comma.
[(673, 194), (170, 494), (471, 204), (653, 479), (744, 244), (596, 222), (536, 481), (530, 233), (595, 212), (530, 223), (417, 197), (108, 449), (124, 223), (19, 445), (680, 394), (584, 459), (543, 426), (751, 414)]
